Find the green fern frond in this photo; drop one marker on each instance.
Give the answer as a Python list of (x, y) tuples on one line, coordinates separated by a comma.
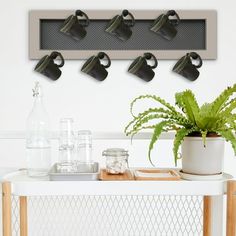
[(142, 128), (228, 103), (229, 109), (229, 136), (218, 124), (179, 137), (209, 123), (190, 105), (222, 99), (171, 109), (145, 120), (153, 97), (232, 121), (179, 100), (204, 134), (157, 132), (205, 109), (145, 113)]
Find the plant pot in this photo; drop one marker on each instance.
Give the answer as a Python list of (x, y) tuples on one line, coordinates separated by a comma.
[(200, 160)]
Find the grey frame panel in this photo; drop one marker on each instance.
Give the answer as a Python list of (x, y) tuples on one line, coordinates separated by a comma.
[(210, 17)]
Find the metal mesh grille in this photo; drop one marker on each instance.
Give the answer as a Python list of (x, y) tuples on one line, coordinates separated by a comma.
[(15, 210), (191, 35), (113, 216)]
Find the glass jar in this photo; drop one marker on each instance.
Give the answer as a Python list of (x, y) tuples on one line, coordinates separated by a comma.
[(116, 160)]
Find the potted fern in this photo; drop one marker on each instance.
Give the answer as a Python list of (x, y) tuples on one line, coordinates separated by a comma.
[(200, 129)]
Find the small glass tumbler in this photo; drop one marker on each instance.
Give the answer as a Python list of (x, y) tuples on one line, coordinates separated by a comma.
[(66, 146), (84, 146), (116, 160)]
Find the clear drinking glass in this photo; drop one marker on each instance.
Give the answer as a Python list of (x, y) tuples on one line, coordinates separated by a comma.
[(66, 146), (84, 146)]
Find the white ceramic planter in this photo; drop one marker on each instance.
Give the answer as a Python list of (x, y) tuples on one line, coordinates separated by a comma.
[(200, 160)]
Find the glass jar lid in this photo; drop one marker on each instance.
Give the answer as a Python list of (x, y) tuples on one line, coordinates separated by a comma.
[(115, 152)]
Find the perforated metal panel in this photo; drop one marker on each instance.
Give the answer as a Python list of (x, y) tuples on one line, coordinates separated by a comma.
[(191, 35), (112, 216), (15, 211)]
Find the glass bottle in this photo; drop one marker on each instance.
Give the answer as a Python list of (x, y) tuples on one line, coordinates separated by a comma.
[(38, 146)]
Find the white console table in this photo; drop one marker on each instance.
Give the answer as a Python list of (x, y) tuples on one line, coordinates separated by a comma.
[(115, 208)]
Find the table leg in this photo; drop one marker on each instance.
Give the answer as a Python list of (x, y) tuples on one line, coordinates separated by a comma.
[(207, 216), (6, 209), (213, 215), (231, 208), (23, 216)]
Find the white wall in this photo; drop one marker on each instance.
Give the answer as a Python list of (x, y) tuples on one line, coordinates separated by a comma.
[(99, 106)]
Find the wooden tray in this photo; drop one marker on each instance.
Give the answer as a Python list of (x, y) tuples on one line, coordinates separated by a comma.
[(110, 177), (156, 174)]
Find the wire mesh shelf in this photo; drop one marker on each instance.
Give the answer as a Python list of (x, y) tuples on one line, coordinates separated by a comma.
[(129, 215)]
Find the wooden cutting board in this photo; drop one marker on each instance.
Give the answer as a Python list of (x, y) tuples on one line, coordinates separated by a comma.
[(104, 176)]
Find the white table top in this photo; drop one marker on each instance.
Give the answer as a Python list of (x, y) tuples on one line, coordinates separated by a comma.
[(22, 185)]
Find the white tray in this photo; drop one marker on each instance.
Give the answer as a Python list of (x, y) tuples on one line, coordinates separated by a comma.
[(81, 176)]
